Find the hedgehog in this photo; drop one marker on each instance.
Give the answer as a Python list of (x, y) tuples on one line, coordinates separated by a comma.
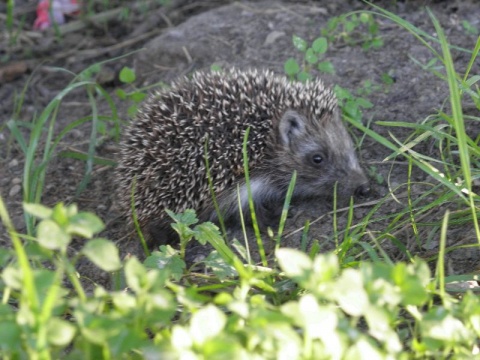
[(203, 119)]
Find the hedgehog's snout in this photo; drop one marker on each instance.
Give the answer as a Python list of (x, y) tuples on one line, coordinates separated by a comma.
[(363, 190)]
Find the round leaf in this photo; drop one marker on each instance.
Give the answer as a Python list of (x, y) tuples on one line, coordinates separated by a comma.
[(207, 323), (350, 293), (299, 43), (136, 275), (85, 224), (310, 56), (10, 336), (103, 253), (51, 236), (320, 45), (291, 67), (293, 262), (326, 67), (303, 76), (127, 75), (60, 332), (37, 210)]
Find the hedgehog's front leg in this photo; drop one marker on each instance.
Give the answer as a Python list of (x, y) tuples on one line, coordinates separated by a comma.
[(267, 202)]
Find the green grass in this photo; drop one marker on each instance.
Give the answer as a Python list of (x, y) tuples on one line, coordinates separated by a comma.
[(353, 302)]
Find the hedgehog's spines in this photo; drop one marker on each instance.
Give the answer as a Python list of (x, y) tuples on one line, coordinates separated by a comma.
[(163, 149)]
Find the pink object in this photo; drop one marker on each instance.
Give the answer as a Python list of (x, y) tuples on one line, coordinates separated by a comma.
[(60, 8)]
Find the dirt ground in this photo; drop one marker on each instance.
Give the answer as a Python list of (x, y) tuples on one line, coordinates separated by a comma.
[(163, 42)]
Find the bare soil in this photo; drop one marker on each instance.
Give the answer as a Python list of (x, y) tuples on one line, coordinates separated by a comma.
[(164, 42)]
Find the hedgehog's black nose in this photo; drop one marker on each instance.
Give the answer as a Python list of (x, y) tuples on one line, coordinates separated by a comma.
[(363, 190)]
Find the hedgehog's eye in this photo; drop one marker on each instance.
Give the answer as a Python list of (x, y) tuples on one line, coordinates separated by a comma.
[(317, 159)]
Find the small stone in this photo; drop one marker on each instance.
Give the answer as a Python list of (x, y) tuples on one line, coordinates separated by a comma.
[(13, 163), (16, 180), (77, 134), (14, 190), (273, 36)]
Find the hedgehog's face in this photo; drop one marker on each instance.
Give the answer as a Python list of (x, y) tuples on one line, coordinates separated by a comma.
[(322, 153)]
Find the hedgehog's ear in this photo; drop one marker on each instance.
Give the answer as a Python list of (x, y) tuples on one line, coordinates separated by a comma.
[(292, 126)]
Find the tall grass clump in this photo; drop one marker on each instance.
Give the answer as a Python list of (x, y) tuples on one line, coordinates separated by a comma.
[(39, 142), (454, 171)]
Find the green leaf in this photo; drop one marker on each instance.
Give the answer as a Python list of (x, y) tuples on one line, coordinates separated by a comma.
[(291, 67), (206, 232), (439, 324), (180, 338), (379, 321), (38, 210), (319, 322), (138, 96), (342, 93), (10, 336), (326, 267), (295, 263), (303, 76), (71, 210), (60, 214), (349, 26), (364, 17), (12, 276), (60, 332), (51, 236), (121, 94), (136, 275), (377, 43), (320, 45), (206, 324), (350, 293), (310, 56), (216, 68), (127, 75), (219, 267), (5, 256), (387, 79), (326, 67), (351, 108), (363, 349), (167, 259), (162, 306), (299, 43), (85, 224), (188, 217), (124, 301), (132, 110), (412, 289), (103, 253), (97, 328), (44, 281), (364, 103), (125, 341), (89, 72)]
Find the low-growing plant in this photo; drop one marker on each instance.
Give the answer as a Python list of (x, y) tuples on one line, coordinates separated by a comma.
[(456, 148), (469, 28), (308, 308), (9, 24), (127, 76), (41, 131), (350, 104), (136, 95), (312, 59), (354, 28)]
